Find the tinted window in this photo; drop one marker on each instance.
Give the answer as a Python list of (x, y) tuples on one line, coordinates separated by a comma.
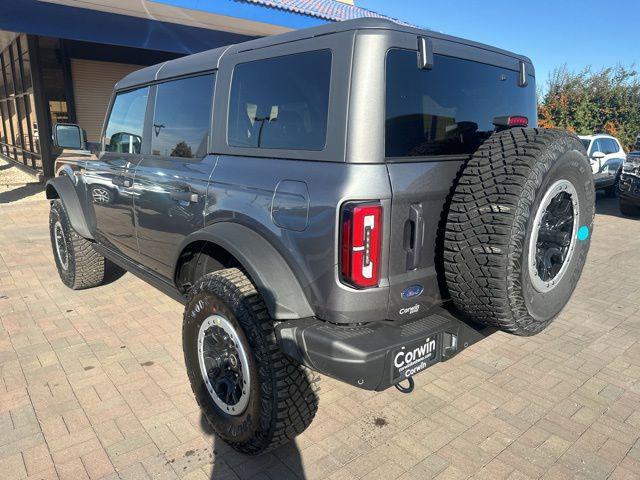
[(450, 109), (610, 146), (281, 102), (126, 122), (182, 117), (585, 142)]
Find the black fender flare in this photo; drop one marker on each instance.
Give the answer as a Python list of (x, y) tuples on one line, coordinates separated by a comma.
[(62, 187), (274, 279)]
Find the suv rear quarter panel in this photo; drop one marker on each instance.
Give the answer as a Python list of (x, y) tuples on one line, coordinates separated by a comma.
[(243, 189)]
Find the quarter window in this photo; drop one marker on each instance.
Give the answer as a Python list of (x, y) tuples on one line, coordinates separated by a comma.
[(448, 110), (182, 117), (126, 122), (281, 102)]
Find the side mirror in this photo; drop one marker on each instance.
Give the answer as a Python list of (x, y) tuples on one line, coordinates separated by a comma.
[(598, 156), (68, 135)]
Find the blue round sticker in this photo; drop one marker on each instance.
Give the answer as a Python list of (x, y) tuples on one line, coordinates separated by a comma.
[(583, 232)]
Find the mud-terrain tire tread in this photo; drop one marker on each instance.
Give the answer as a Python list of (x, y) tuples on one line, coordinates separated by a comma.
[(86, 266), (289, 390), (486, 227)]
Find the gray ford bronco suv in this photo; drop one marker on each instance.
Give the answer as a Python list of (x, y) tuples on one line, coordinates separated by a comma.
[(361, 199)]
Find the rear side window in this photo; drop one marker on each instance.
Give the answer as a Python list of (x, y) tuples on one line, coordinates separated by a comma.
[(609, 145), (182, 117), (281, 102), (448, 110), (126, 122)]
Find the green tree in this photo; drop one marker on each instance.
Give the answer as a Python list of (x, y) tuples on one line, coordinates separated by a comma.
[(590, 101), (182, 150)]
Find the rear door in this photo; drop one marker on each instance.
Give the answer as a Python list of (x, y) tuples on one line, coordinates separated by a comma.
[(171, 180), (435, 119), (613, 160)]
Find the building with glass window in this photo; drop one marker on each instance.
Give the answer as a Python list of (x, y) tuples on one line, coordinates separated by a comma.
[(59, 59)]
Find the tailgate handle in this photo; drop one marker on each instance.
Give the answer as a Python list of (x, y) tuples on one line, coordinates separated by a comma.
[(416, 236)]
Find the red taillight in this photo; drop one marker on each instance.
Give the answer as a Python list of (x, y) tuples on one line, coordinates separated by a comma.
[(518, 121), (511, 121), (360, 242)]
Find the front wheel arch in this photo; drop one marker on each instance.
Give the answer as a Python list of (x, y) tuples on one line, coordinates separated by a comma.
[(62, 188)]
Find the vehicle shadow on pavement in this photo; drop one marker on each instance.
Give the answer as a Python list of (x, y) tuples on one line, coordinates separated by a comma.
[(283, 463), (112, 273), (14, 193), (608, 206)]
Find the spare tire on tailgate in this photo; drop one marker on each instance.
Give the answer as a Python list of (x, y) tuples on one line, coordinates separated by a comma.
[(518, 229)]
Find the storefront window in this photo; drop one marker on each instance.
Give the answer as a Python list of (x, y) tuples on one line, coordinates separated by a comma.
[(19, 140)]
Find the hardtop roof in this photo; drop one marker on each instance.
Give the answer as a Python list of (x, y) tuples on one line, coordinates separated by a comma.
[(210, 59)]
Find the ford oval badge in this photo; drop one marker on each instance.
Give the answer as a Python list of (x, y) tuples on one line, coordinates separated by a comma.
[(412, 291)]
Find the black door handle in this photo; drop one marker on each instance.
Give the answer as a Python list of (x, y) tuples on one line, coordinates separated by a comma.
[(415, 236)]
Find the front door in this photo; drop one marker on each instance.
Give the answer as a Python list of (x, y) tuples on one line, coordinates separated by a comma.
[(109, 179), (170, 185)]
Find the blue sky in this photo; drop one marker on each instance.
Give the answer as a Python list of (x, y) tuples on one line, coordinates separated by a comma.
[(551, 33)]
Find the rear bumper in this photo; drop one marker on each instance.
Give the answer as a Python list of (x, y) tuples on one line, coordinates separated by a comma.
[(379, 354)]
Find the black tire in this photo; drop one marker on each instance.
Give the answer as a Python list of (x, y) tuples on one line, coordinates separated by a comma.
[(629, 209), (84, 267), (491, 220), (282, 398)]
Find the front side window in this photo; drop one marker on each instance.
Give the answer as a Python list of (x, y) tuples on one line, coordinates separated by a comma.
[(126, 122), (596, 146), (281, 102), (448, 110), (182, 117)]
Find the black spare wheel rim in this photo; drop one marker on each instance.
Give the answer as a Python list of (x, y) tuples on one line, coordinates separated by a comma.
[(553, 236), (224, 364)]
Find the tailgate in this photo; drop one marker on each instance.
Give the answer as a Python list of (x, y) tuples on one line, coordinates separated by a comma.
[(419, 192)]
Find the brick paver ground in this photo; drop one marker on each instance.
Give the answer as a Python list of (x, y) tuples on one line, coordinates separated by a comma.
[(92, 385)]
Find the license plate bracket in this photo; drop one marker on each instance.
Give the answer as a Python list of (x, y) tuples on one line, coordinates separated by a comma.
[(416, 356)]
